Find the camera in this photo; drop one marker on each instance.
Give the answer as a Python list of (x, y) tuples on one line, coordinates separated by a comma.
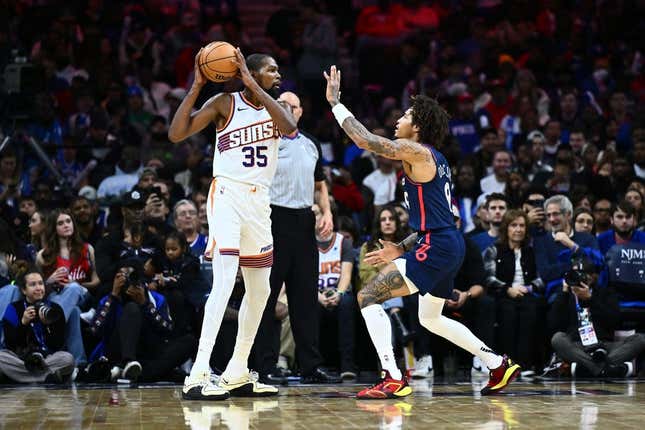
[(49, 314), (575, 277), (132, 279)]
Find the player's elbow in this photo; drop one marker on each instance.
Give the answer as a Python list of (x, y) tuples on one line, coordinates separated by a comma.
[(174, 136)]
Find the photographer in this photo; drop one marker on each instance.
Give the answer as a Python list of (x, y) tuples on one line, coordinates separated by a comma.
[(135, 328), (34, 330), (129, 240), (584, 317)]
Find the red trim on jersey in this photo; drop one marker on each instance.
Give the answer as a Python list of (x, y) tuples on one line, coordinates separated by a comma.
[(230, 115), (333, 240), (422, 207), (245, 100), (257, 261), (229, 251), (428, 238)]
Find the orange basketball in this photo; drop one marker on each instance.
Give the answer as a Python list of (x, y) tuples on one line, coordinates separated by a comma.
[(215, 61)]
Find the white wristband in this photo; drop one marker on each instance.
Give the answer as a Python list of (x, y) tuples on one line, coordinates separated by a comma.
[(341, 113)]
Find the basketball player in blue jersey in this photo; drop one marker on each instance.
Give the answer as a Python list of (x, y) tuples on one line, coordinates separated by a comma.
[(427, 261)]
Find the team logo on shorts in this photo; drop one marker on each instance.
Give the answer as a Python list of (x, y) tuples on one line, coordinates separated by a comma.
[(266, 249)]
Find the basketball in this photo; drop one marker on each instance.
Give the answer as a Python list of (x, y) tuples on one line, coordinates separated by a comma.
[(215, 61)]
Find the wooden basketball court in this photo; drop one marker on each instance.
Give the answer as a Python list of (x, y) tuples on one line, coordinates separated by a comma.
[(602, 405)]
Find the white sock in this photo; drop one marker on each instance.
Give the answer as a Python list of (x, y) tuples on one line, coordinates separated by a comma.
[(224, 271), (430, 316), (380, 329), (256, 283)]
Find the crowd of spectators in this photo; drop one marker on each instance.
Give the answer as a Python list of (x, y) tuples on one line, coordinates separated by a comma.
[(103, 219)]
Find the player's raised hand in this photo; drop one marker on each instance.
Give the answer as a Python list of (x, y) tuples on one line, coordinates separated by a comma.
[(333, 86), (389, 252), (199, 80), (242, 69)]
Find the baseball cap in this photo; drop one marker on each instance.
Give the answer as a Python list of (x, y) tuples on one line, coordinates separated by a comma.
[(88, 192), (133, 198), (148, 171), (535, 134)]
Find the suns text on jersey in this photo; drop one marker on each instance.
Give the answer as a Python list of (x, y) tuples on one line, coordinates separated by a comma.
[(250, 134)]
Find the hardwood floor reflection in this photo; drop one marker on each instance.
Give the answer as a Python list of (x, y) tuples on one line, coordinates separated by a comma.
[(556, 405)]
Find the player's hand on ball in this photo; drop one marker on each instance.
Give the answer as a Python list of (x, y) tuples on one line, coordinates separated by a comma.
[(333, 86), (389, 252), (242, 69), (199, 80)]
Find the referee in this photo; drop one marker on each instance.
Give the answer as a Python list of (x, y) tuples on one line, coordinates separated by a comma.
[(295, 254)]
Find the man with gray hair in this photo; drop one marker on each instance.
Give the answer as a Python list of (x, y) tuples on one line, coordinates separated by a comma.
[(186, 221), (551, 261)]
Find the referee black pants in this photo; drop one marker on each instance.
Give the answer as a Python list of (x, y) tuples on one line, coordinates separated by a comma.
[(295, 263)]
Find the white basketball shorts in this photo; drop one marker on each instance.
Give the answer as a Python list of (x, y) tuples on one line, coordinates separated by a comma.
[(239, 222)]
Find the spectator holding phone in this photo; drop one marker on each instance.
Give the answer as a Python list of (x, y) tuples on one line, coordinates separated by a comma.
[(534, 207)]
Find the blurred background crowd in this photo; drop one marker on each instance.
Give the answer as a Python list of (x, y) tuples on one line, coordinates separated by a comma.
[(546, 144)]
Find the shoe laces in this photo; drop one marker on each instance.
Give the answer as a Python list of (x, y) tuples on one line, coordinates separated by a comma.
[(254, 376)]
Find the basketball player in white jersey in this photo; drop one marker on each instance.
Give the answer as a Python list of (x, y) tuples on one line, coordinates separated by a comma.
[(245, 159)]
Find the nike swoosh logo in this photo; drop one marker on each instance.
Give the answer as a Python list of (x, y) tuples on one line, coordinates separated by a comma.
[(241, 109)]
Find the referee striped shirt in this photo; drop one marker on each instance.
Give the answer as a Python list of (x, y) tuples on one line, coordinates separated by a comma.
[(299, 166)]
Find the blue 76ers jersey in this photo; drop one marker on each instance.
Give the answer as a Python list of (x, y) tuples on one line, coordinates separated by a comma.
[(430, 203)]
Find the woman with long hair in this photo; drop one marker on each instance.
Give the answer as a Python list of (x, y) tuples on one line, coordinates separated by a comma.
[(37, 227), (65, 258), (512, 278), (633, 195), (583, 221), (70, 271), (387, 226)]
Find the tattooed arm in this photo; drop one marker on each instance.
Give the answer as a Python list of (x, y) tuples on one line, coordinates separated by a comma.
[(400, 149)]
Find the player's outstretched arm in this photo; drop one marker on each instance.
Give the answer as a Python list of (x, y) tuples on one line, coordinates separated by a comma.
[(185, 123), (400, 149), (282, 118)]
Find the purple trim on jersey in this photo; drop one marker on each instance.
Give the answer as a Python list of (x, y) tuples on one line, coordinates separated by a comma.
[(295, 136)]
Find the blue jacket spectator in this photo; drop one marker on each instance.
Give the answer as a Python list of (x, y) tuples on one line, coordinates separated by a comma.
[(496, 205), (624, 231), (553, 252)]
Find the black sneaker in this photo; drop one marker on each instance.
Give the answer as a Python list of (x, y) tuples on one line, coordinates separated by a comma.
[(599, 355), (275, 377), (97, 371), (319, 376), (131, 371)]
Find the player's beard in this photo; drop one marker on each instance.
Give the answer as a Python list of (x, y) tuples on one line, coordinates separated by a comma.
[(274, 92)]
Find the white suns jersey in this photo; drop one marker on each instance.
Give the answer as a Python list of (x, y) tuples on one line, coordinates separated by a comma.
[(246, 148), (330, 263)]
